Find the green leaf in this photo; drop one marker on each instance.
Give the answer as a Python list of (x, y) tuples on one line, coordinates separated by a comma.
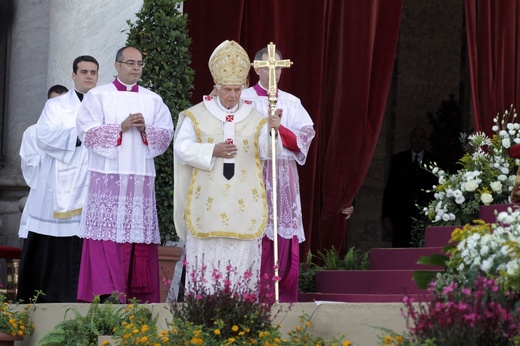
[(423, 277), (434, 260)]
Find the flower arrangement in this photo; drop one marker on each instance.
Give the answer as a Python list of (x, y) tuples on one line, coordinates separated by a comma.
[(15, 320), (482, 314), (475, 300), (492, 250), (222, 314), (487, 175)]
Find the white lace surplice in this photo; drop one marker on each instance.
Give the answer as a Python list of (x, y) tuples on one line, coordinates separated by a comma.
[(121, 201), (297, 120), (243, 254)]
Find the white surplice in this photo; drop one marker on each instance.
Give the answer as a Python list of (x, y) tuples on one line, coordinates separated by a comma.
[(56, 137), (30, 157), (113, 211)]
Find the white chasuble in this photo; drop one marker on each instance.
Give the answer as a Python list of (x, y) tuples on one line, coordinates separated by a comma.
[(209, 204)]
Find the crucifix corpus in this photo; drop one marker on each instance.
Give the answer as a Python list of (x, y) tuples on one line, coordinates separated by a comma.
[(272, 64)]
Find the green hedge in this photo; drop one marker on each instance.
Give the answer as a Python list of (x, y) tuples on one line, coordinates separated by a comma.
[(161, 33)]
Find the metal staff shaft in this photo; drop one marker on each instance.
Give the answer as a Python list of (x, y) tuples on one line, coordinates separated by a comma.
[(272, 106), (272, 64)]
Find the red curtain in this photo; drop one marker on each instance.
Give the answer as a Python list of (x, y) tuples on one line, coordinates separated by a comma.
[(493, 41), (343, 53)]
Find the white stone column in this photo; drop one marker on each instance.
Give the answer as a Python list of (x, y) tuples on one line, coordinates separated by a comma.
[(96, 27)]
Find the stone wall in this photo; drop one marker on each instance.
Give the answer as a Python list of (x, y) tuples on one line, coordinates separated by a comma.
[(46, 37), (355, 322)]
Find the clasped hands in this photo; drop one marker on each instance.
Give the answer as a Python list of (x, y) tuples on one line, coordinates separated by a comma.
[(133, 120), (228, 151)]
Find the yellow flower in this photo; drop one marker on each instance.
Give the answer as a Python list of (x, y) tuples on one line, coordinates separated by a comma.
[(197, 341), (387, 340), (217, 331), (144, 328), (234, 328), (347, 343), (105, 342), (399, 339)]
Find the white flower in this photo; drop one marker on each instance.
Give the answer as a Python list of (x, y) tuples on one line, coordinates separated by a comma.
[(496, 186), (460, 200), (486, 198), (457, 193), (506, 143), (471, 185), (512, 267), (486, 265)]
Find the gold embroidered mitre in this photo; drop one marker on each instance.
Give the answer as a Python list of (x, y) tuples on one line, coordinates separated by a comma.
[(229, 64)]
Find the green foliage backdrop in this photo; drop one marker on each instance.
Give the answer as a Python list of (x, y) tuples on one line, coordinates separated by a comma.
[(161, 33)]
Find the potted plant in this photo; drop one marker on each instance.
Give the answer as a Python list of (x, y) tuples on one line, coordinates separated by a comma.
[(78, 329), (329, 260), (15, 320)]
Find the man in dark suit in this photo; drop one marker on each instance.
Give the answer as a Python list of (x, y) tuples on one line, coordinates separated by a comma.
[(405, 189)]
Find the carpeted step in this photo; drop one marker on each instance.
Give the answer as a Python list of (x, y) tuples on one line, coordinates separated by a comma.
[(366, 282), (359, 298), (438, 236), (487, 212), (401, 258)]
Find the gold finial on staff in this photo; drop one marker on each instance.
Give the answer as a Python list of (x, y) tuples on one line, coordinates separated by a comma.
[(272, 64)]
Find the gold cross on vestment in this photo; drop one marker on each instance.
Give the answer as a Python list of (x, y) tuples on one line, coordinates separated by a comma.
[(272, 64)]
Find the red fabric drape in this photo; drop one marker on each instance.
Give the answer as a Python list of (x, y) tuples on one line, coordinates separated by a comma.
[(343, 53), (493, 41)]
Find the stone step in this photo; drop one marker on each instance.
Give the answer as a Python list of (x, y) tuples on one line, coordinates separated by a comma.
[(401, 258), (366, 282)]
